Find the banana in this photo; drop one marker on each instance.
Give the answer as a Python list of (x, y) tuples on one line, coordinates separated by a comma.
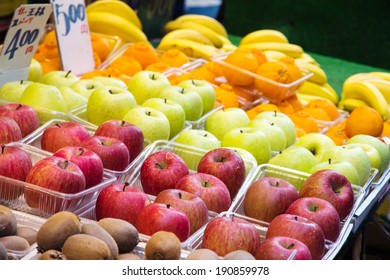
[(383, 75), (384, 88), (329, 87), (188, 34), (118, 8), (190, 48), (209, 33), (361, 77), (273, 55), (351, 104), (264, 35), (368, 93), (307, 58), (306, 98), (318, 90), (319, 75), (206, 21), (288, 49), (110, 24), (228, 47)]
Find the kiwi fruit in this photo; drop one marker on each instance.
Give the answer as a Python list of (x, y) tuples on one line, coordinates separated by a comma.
[(14, 243), (3, 252), (8, 221), (202, 254), (163, 245), (52, 255), (239, 255), (28, 233), (56, 229), (124, 233), (99, 232), (85, 247), (128, 256)]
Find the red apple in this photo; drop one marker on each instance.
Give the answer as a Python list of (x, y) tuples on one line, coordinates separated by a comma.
[(62, 134), (226, 234), (15, 163), (55, 174), (9, 130), (321, 212), (162, 170), (209, 188), (191, 205), (24, 115), (281, 248), (121, 201), (299, 228), (268, 197), (227, 165), (113, 152), (130, 134), (332, 186), (88, 161), (158, 216)]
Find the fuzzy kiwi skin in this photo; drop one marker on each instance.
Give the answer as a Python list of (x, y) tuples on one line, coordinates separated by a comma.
[(85, 247), (128, 256), (124, 233), (28, 233), (14, 243), (202, 254), (239, 255), (3, 252), (56, 229), (163, 245), (8, 221), (52, 255), (99, 232)]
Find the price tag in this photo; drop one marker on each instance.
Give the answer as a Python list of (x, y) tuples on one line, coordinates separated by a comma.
[(21, 41), (73, 36)]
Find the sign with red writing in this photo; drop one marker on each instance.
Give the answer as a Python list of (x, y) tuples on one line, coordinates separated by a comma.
[(22, 40)]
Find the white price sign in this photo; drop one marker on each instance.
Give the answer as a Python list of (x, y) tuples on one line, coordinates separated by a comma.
[(73, 36), (22, 40)]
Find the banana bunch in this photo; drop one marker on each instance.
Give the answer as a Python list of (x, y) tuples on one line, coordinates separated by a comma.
[(198, 36), (367, 89), (115, 18)]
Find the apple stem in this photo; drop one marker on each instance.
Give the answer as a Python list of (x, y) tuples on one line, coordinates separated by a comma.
[(193, 82), (330, 161), (315, 208), (148, 113), (182, 90), (67, 73), (21, 82), (290, 246), (81, 150), (277, 184), (125, 185), (241, 131), (110, 91), (109, 75), (123, 123), (168, 206), (2, 148), (165, 100), (275, 113), (64, 164), (58, 125), (19, 106), (180, 195), (272, 123), (295, 218)]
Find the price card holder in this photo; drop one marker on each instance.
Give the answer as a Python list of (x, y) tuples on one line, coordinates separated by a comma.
[(73, 36), (22, 40)]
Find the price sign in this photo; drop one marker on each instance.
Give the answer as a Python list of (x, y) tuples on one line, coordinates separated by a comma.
[(73, 36), (22, 40)]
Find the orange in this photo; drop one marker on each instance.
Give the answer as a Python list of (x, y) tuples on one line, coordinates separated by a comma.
[(246, 92), (158, 67), (386, 129), (337, 133), (204, 72), (304, 120), (50, 65), (174, 58), (293, 69), (285, 107), (100, 46), (226, 96), (299, 131), (328, 106), (47, 52), (238, 60), (364, 120), (253, 112), (50, 39), (144, 52), (317, 113), (126, 65), (260, 56), (91, 74), (295, 102)]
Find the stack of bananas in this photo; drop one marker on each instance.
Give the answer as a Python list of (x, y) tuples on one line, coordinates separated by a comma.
[(367, 89), (198, 36), (276, 45), (116, 18)]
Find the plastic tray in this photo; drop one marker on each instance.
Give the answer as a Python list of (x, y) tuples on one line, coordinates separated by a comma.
[(324, 126), (49, 201)]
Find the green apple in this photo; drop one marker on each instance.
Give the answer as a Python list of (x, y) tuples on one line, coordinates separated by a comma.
[(85, 87), (221, 121), (189, 99), (35, 71), (381, 147), (275, 135), (110, 81), (344, 167), (172, 110), (72, 98), (12, 91), (355, 155), (205, 90), (283, 121), (316, 143), (44, 96), (295, 157), (153, 123), (59, 78), (249, 159), (109, 103), (372, 154), (198, 142), (147, 84), (251, 139)]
